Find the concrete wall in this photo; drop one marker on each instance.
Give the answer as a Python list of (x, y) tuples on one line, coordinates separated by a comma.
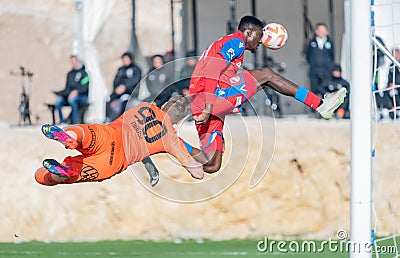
[(305, 193)]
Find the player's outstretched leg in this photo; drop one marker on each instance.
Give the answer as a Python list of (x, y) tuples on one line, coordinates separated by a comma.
[(326, 107), (54, 132), (54, 167), (331, 102)]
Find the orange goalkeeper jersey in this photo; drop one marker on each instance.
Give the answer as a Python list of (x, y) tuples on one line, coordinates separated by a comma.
[(109, 149), (147, 130)]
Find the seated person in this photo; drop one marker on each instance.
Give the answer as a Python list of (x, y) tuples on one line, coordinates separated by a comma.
[(158, 81), (333, 84), (394, 71), (183, 77), (125, 81), (391, 98), (75, 92)]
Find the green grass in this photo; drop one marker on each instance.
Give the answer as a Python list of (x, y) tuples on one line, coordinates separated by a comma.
[(188, 248)]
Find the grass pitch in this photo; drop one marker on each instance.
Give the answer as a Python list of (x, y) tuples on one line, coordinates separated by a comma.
[(186, 248)]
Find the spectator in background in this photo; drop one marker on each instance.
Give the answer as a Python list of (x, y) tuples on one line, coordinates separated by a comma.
[(387, 100), (334, 83), (392, 97), (75, 92), (320, 56), (125, 81), (184, 75), (169, 56), (379, 54), (380, 60), (394, 71), (158, 79)]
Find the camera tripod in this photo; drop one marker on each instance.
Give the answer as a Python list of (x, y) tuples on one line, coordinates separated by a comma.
[(23, 108)]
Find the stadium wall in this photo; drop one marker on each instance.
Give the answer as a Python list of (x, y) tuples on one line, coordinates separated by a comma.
[(305, 193)]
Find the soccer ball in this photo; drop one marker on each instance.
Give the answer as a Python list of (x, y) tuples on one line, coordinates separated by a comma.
[(274, 36)]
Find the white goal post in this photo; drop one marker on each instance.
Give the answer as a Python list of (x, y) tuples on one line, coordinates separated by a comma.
[(361, 127)]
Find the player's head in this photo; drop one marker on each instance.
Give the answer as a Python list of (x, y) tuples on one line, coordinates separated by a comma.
[(127, 58), (252, 31), (157, 61), (75, 62), (177, 108), (337, 71), (321, 30)]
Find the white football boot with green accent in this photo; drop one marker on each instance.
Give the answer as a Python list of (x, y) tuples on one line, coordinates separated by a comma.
[(331, 102)]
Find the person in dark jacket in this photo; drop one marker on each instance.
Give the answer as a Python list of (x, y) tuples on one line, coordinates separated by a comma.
[(334, 83), (184, 75), (75, 92), (125, 82), (159, 81), (388, 100), (394, 71), (320, 56)]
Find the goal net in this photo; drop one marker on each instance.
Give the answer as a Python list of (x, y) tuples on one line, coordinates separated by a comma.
[(386, 127)]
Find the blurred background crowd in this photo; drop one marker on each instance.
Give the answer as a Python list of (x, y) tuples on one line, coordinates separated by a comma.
[(84, 60)]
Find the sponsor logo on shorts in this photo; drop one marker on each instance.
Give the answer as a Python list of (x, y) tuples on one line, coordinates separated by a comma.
[(234, 79), (89, 173)]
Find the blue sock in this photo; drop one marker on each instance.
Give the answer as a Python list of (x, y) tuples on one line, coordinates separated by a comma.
[(308, 98), (301, 94)]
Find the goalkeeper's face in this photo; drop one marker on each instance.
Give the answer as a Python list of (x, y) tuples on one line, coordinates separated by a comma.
[(253, 38)]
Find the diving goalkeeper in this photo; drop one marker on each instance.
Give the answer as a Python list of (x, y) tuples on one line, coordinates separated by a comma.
[(145, 130)]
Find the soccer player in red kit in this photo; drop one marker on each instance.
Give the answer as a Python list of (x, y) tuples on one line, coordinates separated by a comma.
[(217, 89)]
